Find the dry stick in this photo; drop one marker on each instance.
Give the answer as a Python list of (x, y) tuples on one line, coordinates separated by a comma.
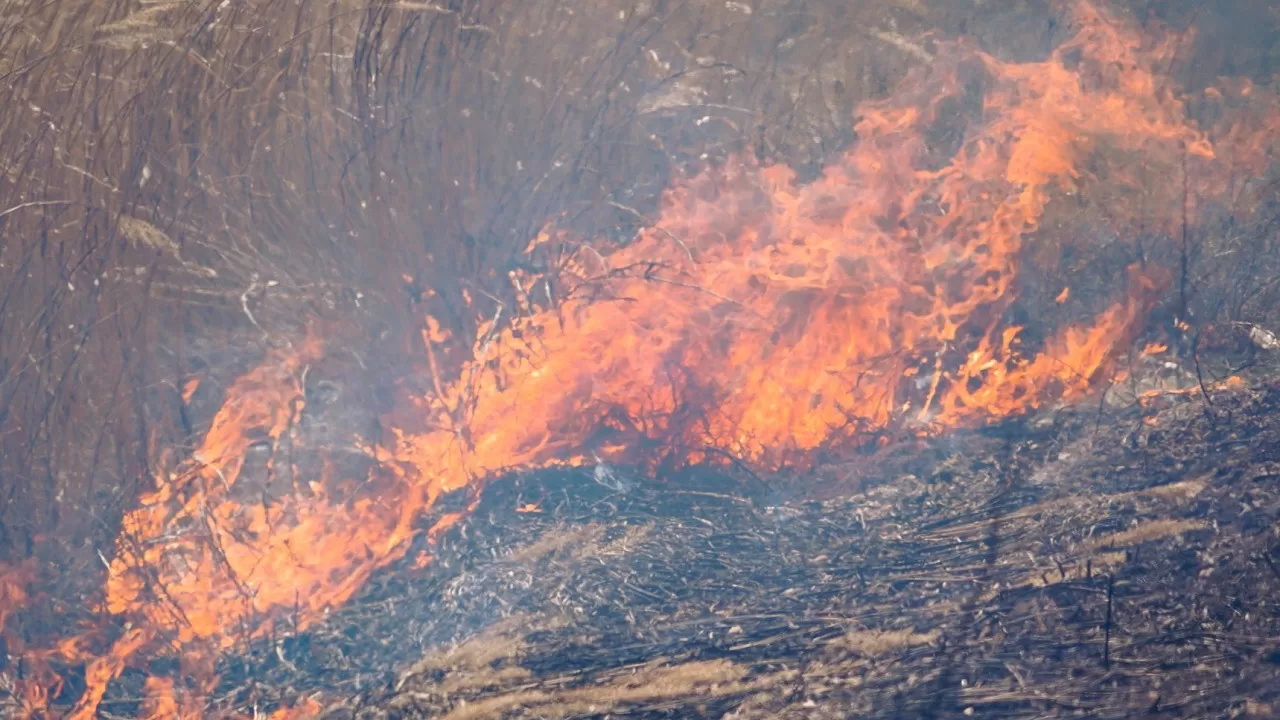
[(244, 304), (1102, 400), (1266, 557), (1195, 354), (649, 223), (152, 580), (33, 203), (215, 544), (699, 288), (1106, 645), (737, 463)]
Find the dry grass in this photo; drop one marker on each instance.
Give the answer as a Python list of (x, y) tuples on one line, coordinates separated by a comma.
[(489, 661), (578, 543), (1171, 495), (870, 643), (554, 542), (1145, 532), (653, 682), (503, 639)]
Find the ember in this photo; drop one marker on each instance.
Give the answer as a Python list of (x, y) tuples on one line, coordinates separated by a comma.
[(761, 324)]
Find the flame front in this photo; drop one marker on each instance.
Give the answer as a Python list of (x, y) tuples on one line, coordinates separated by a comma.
[(770, 318), (760, 317)]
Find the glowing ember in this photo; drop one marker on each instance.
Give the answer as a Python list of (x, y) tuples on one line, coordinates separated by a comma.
[(761, 317)]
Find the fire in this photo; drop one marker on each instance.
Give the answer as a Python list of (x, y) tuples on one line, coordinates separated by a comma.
[(226, 564), (160, 700), (773, 319), (189, 389), (102, 670), (759, 316), (13, 588)]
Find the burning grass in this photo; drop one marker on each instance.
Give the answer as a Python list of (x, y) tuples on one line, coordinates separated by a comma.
[(726, 296)]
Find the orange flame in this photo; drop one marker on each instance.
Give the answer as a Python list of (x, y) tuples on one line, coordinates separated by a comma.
[(772, 319), (103, 670), (223, 565), (189, 389), (13, 588), (160, 702)]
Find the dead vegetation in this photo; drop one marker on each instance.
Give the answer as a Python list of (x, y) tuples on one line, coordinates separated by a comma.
[(870, 643), (651, 684), (1145, 533)]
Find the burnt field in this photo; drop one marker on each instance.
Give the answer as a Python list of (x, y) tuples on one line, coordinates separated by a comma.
[(1122, 566), (471, 359)]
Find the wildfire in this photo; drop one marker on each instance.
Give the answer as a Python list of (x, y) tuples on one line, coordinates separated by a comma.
[(771, 319), (760, 316)]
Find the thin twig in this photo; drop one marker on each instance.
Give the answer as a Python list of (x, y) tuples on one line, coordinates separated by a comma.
[(1106, 644)]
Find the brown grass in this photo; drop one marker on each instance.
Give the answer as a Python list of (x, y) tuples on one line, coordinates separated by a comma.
[(555, 541), (870, 643), (504, 639), (488, 665), (578, 543), (1175, 494), (1149, 531), (707, 679)]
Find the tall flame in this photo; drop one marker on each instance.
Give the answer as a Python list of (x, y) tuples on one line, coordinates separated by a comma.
[(771, 319), (760, 317)]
